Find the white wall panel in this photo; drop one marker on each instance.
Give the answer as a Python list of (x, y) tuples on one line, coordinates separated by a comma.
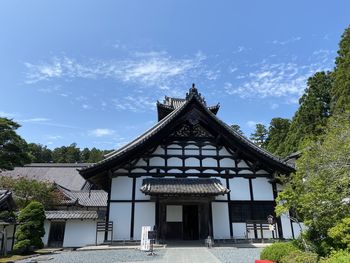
[(209, 162), (159, 150), (223, 152), (192, 162), (121, 188), (138, 194), (79, 233), (222, 197), (156, 161), (144, 216), (120, 214), (239, 188), (239, 230), (174, 161), (242, 164), (262, 189), (221, 226), (45, 238), (227, 162), (286, 227)]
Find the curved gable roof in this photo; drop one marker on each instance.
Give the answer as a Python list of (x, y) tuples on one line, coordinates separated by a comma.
[(193, 97)]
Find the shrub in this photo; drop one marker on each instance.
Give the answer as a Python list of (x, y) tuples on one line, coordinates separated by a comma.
[(340, 234), (300, 257), (277, 251), (337, 257), (31, 228)]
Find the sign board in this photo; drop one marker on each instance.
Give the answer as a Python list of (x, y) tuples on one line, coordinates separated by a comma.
[(271, 227), (145, 242)]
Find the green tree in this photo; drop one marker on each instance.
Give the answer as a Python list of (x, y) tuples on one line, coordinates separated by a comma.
[(237, 128), (341, 87), (259, 136), (311, 118), (26, 190), (13, 149), (316, 192), (278, 130), (95, 155), (85, 155), (39, 153), (31, 228)]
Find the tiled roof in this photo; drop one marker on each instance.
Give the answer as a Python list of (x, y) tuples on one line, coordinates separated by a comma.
[(63, 174), (71, 214), (87, 198), (183, 186), (192, 95)]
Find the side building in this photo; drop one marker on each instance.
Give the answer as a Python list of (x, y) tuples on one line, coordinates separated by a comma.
[(72, 221), (190, 176)]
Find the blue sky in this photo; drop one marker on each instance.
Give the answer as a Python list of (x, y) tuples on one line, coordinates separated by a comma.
[(91, 72)]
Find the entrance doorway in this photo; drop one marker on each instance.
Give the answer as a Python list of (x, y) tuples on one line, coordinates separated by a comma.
[(56, 235), (190, 225)]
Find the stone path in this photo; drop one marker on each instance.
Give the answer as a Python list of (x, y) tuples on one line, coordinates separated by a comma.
[(192, 255)]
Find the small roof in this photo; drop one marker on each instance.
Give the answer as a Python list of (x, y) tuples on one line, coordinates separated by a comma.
[(183, 186), (70, 214), (87, 198), (6, 200), (64, 174)]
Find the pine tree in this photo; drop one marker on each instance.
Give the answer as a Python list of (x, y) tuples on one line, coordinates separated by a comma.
[(341, 87), (260, 135), (277, 134), (311, 117)]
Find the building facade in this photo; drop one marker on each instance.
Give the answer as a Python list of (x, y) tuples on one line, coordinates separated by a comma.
[(190, 176)]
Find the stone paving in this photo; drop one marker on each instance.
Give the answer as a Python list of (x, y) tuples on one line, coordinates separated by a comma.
[(164, 255)]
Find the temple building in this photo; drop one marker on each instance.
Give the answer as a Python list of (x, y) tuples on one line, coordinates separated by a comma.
[(191, 176)]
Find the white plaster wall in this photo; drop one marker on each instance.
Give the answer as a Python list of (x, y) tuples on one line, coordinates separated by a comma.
[(138, 194), (221, 225), (239, 189), (242, 164), (144, 216), (297, 229), (227, 162), (190, 162), (209, 162), (222, 197), (79, 233), (120, 214), (45, 238), (121, 188), (286, 227), (174, 161), (159, 150), (156, 161), (208, 152), (223, 152), (239, 230), (262, 189), (174, 213)]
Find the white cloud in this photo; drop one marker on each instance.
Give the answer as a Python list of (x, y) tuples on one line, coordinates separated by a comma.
[(38, 119), (147, 68), (252, 124), (135, 103), (287, 41), (274, 106), (8, 114), (100, 132)]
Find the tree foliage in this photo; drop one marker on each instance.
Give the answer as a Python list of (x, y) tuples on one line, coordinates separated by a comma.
[(237, 128), (341, 74), (31, 228), (13, 149), (310, 119), (26, 190), (277, 133), (259, 136), (318, 190)]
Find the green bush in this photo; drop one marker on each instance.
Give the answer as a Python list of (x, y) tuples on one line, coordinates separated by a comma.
[(31, 228), (277, 251), (337, 257), (300, 257), (340, 234)]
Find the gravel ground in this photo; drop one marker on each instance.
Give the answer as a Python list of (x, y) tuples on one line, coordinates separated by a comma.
[(236, 255), (100, 256)]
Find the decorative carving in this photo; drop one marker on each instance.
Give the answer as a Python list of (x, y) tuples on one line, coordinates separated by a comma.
[(192, 131)]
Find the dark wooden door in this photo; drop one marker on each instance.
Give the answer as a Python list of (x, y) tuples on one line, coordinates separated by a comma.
[(56, 235), (190, 222)]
